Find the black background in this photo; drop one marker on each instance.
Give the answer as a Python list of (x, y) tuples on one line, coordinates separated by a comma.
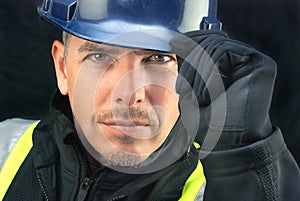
[(27, 79)]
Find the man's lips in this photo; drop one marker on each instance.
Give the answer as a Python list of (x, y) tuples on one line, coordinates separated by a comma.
[(136, 128)]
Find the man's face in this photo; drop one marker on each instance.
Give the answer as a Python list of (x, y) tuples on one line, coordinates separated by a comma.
[(123, 100)]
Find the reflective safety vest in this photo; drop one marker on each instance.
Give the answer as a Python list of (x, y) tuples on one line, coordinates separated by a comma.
[(193, 188)]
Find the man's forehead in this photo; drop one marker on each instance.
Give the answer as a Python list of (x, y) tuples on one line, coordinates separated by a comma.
[(89, 46)]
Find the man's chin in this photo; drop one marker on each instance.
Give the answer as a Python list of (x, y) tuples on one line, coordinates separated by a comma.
[(122, 159)]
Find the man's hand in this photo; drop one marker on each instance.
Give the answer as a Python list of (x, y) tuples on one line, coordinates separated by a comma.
[(229, 84)]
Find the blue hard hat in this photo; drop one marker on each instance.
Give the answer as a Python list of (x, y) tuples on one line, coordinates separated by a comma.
[(145, 24)]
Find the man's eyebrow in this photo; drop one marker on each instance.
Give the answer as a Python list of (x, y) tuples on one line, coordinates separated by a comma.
[(94, 47), (114, 50), (87, 47)]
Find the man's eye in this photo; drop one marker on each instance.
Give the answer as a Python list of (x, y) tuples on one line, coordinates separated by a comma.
[(101, 59), (98, 57), (160, 58)]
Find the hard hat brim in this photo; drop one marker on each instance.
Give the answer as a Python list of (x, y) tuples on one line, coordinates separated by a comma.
[(117, 32)]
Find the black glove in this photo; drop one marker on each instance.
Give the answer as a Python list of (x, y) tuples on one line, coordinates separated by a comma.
[(229, 83)]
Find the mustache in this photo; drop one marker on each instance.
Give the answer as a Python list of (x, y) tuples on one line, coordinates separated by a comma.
[(134, 115)]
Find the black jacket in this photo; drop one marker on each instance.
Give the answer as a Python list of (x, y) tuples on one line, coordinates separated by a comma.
[(57, 169)]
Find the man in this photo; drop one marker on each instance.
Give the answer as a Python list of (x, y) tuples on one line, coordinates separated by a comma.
[(135, 100)]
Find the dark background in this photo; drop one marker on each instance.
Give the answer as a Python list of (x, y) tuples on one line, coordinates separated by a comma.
[(27, 79)]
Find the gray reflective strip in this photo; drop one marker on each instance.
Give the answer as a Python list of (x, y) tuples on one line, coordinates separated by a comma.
[(10, 131), (200, 193)]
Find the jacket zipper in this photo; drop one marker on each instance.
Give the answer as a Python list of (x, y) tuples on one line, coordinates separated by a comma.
[(84, 189), (116, 198), (86, 184), (43, 188)]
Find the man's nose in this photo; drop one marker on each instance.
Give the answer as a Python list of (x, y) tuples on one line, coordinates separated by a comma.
[(131, 97), (130, 89)]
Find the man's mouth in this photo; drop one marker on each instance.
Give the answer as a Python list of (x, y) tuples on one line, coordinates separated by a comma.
[(133, 122), (126, 123), (135, 128)]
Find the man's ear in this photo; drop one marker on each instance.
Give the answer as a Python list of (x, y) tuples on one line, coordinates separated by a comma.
[(60, 67)]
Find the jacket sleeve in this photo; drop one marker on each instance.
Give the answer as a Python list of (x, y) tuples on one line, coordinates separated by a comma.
[(263, 171)]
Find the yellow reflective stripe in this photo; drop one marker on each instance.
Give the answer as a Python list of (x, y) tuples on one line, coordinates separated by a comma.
[(193, 184), (15, 159), (197, 145)]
